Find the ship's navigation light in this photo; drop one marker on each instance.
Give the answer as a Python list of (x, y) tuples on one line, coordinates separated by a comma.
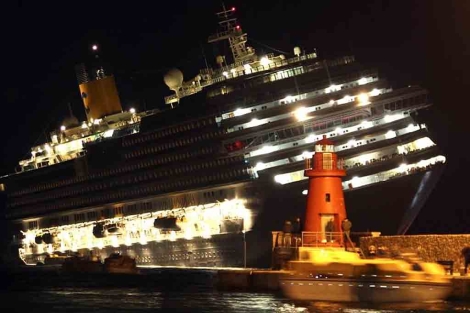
[(311, 138), (237, 27), (233, 8), (260, 166), (388, 118), (305, 192), (132, 110), (288, 99), (333, 88), (366, 124), (374, 92), (301, 114), (403, 167), (363, 99), (362, 81), (264, 61), (62, 128), (307, 154), (94, 47), (390, 134)]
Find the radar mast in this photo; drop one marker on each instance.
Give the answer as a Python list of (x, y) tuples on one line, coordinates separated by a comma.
[(232, 31)]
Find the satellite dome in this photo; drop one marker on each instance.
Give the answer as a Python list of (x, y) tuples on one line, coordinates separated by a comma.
[(174, 79), (297, 51), (219, 59)]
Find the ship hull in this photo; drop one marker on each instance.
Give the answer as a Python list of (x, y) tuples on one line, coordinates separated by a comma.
[(224, 250), (366, 207)]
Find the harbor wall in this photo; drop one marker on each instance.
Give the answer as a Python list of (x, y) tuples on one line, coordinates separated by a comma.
[(430, 248)]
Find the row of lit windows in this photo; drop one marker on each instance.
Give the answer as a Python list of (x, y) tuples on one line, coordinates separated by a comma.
[(128, 167), (141, 138), (321, 125), (159, 258), (174, 144), (129, 179), (150, 136), (311, 86), (313, 127), (151, 188), (406, 103), (132, 209), (305, 69), (95, 215)]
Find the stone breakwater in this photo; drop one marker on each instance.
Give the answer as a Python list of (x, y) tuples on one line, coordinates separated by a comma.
[(430, 248)]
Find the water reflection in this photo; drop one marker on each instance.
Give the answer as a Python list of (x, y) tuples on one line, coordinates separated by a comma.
[(380, 308), (100, 300)]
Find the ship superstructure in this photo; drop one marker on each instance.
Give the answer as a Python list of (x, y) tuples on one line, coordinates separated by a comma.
[(192, 186)]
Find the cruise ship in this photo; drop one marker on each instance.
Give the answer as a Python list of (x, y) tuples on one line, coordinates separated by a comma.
[(203, 182)]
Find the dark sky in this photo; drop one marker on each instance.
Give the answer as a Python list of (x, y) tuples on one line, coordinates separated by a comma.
[(425, 42)]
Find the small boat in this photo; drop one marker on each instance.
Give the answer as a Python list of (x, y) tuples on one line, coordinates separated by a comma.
[(120, 264), (79, 264), (333, 274)]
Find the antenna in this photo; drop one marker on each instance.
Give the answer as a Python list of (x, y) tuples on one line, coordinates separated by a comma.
[(204, 56), (70, 108), (325, 63)]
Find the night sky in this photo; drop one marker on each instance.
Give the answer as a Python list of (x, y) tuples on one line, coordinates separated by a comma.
[(423, 42)]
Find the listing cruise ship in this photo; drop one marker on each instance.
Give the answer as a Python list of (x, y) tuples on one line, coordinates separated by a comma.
[(203, 182)]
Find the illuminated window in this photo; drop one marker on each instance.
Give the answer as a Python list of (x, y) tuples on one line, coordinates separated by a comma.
[(33, 225), (91, 216), (327, 162), (64, 220)]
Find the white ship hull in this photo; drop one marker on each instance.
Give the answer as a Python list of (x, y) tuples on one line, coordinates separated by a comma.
[(364, 291)]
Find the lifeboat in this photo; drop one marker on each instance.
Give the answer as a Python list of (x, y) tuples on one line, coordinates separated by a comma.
[(98, 230), (38, 240), (48, 238), (166, 224)]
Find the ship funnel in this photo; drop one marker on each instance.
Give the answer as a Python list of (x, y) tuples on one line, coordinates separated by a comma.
[(97, 89), (174, 79)]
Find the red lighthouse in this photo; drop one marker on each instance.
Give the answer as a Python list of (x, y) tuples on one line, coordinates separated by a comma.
[(325, 201)]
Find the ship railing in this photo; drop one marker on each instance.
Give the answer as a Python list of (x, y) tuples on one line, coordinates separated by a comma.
[(218, 75), (307, 239), (320, 164), (322, 239)]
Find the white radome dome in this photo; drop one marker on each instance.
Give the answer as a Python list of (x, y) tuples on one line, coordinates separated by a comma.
[(174, 79)]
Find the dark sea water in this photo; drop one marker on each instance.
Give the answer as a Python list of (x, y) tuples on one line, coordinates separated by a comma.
[(168, 291), (138, 300)]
